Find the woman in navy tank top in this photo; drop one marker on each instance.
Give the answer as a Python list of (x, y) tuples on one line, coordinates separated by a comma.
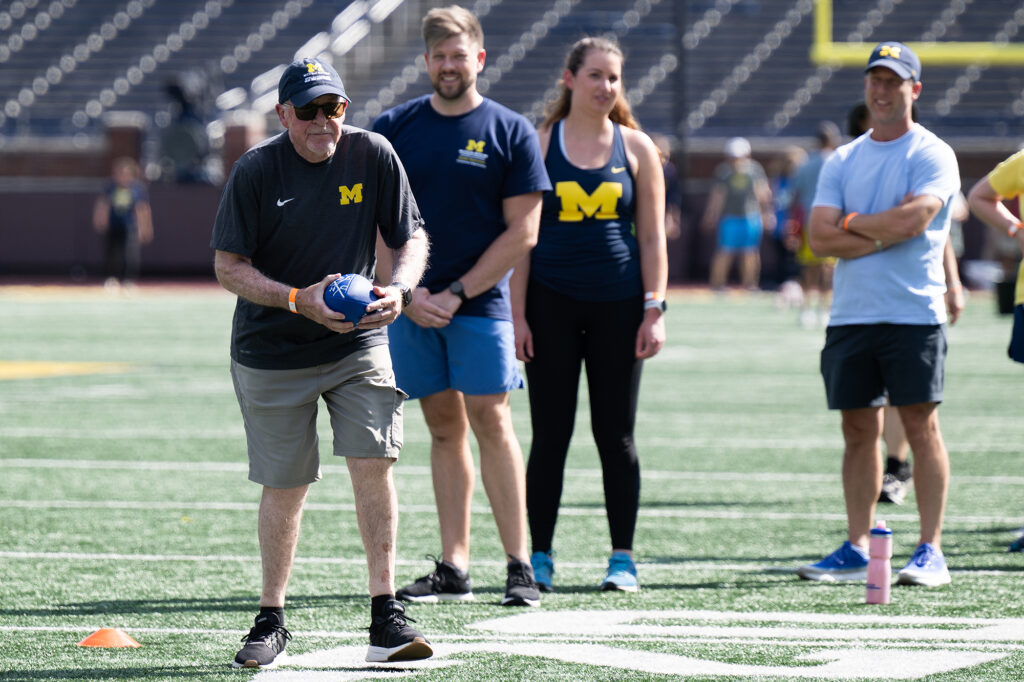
[(591, 294)]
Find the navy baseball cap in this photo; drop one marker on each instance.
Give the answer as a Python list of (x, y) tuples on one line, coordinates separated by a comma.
[(306, 79), (898, 58)]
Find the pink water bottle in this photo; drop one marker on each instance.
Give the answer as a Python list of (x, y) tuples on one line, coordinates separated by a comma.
[(879, 565)]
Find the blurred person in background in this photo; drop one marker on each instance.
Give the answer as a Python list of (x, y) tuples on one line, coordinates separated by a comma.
[(782, 169), (591, 293), (123, 217), (815, 272), (740, 208)]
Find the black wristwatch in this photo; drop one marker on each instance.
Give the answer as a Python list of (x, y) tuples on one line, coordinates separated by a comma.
[(406, 292), (457, 289)]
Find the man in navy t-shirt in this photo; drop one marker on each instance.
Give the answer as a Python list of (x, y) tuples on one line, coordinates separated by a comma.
[(477, 173)]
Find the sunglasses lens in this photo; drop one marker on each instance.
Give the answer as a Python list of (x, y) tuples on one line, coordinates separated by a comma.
[(331, 110)]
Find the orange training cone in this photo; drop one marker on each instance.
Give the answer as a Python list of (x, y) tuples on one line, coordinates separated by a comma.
[(109, 638)]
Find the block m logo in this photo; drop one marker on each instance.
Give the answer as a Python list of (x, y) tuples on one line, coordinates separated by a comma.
[(474, 146), (351, 196), (576, 202)]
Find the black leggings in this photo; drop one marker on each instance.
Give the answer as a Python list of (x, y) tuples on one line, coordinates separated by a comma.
[(601, 335)]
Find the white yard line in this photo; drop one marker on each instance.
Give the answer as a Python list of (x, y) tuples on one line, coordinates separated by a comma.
[(687, 566), (416, 470), (738, 515), (831, 444)]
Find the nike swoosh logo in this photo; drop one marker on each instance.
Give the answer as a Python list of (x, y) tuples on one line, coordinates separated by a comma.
[(282, 203), (618, 169)]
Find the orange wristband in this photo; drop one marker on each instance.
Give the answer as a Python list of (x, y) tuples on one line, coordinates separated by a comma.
[(846, 220), (291, 300)]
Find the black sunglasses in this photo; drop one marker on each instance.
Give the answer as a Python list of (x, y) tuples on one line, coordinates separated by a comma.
[(330, 109)]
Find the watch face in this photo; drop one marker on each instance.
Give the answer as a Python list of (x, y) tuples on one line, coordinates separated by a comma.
[(457, 289)]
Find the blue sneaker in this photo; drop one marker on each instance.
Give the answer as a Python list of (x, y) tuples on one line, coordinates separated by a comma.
[(927, 568), (849, 562), (543, 569), (621, 574), (1017, 545)]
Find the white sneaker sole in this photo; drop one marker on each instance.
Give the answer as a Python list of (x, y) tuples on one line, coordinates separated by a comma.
[(615, 587), (924, 579), (416, 650), (435, 598), (253, 665), (516, 601), (808, 573)]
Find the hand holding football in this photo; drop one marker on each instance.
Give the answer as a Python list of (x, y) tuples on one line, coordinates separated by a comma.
[(349, 295)]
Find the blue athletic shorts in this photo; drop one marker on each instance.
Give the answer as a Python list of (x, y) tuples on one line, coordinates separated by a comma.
[(740, 233), (474, 355), (860, 363)]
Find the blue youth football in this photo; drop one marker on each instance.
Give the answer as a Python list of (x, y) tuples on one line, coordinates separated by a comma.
[(349, 295)]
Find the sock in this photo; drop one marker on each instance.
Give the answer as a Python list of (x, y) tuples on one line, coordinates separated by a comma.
[(894, 465), (378, 603), (276, 611)]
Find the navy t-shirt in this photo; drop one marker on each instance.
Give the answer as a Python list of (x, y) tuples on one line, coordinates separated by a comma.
[(299, 222), (460, 169), (123, 201)]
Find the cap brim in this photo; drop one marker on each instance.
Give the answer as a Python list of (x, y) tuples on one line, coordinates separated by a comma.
[(303, 98), (899, 68)]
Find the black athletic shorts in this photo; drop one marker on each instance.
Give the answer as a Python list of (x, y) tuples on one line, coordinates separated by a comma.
[(1016, 349), (864, 363)]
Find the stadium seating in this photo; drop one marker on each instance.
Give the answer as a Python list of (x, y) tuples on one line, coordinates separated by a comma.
[(700, 69)]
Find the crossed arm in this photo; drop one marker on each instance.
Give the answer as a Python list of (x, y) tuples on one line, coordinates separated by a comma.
[(868, 233)]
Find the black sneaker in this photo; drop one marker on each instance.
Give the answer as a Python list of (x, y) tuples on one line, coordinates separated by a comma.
[(520, 587), (445, 583), (895, 488), (391, 638), (264, 645)]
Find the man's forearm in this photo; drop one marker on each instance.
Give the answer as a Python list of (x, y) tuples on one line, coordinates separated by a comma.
[(410, 259)]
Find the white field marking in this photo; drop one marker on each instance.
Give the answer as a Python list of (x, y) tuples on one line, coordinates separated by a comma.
[(837, 664), (416, 470), (689, 565), (674, 443), (360, 635), (719, 514), (855, 627), (874, 647)]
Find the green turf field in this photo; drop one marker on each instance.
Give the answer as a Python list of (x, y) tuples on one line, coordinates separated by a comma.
[(124, 504)]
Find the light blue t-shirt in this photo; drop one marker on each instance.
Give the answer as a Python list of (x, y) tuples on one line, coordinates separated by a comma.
[(904, 283)]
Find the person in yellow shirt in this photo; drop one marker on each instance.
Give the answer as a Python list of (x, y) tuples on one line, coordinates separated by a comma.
[(1006, 181)]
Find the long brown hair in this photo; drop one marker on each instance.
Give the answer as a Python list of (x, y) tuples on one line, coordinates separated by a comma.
[(558, 108)]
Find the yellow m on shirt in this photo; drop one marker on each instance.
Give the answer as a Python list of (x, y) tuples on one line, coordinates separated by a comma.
[(576, 203), (354, 195)]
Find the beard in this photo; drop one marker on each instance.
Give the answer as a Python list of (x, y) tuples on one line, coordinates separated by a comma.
[(450, 91)]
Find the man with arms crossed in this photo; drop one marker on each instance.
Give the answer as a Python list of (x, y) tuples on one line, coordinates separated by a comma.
[(298, 206), (478, 175), (883, 208)]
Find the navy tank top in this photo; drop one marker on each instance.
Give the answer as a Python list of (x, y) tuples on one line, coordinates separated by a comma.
[(587, 246)]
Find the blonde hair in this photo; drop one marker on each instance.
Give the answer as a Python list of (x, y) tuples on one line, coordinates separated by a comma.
[(558, 108), (442, 23)]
